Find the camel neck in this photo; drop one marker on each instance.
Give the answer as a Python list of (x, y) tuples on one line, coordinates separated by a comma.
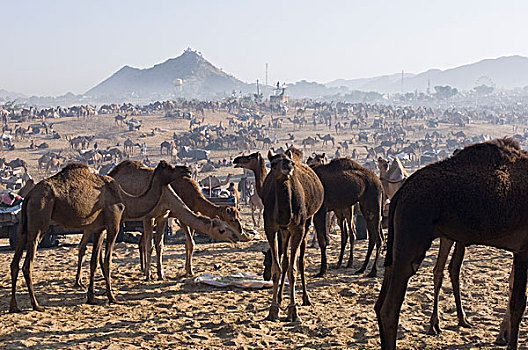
[(141, 205), (260, 175), (194, 199)]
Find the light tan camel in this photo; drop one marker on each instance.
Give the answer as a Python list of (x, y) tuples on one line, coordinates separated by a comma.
[(77, 198), (391, 177), (132, 176)]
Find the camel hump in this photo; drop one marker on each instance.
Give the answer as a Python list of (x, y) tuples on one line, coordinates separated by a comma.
[(495, 151), (127, 164), (74, 166), (344, 164)]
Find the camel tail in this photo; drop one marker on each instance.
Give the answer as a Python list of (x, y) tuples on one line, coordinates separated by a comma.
[(390, 235), (22, 225)]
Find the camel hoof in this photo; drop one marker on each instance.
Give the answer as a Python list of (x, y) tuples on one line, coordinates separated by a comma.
[(14, 309), (38, 308), (113, 300), (349, 264), (360, 271), (92, 301), (336, 266), (320, 274), (79, 285), (372, 273), (273, 314), (502, 339), (434, 329), (307, 302), (465, 323), (292, 313)]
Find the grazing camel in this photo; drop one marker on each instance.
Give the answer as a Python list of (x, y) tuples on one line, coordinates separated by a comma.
[(77, 198), (292, 195), (132, 175), (346, 183), (458, 198)]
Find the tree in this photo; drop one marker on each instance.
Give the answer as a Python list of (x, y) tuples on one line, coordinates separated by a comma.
[(445, 92), (483, 89)]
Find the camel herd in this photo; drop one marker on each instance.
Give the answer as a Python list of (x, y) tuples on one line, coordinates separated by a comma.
[(471, 197)]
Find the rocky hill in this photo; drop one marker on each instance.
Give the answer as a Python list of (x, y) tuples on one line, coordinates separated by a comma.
[(507, 72), (189, 75)]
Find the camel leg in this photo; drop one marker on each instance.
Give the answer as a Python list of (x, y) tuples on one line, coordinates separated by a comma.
[(80, 257), (15, 267), (306, 299), (27, 269), (454, 274), (147, 245), (438, 273), (320, 228), (518, 299), (253, 214), (374, 228), (406, 259), (344, 238), (352, 235), (96, 252), (285, 261), (273, 314), (504, 332), (297, 237), (141, 248), (189, 249), (114, 217), (161, 224)]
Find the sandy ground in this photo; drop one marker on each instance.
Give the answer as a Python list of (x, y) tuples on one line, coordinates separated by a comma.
[(179, 314)]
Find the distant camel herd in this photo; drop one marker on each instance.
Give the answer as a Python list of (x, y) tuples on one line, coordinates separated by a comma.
[(476, 196)]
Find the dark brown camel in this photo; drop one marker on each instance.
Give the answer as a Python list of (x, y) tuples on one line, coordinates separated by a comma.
[(346, 183), (475, 197), (292, 195)]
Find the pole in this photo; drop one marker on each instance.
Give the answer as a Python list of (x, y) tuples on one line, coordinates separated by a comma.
[(266, 74)]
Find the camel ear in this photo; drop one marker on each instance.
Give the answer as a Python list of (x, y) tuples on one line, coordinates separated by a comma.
[(270, 155), (289, 153), (324, 155)]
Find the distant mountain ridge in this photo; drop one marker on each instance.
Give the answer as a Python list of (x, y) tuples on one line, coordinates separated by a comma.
[(507, 72), (189, 75)]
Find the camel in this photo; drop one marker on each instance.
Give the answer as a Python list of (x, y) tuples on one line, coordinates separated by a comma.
[(132, 176), (327, 138), (77, 198), (458, 198), (213, 182), (128, 146), (292, 195), (346, 183), (391, 177), (255, 202), (168, 146), (120, 119), (309, 141)]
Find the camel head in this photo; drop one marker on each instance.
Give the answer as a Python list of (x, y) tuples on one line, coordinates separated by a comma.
[(282, 166), (251, 161), (383, 164), (317, 159), (168, 173), (232, 217), (221, 231)]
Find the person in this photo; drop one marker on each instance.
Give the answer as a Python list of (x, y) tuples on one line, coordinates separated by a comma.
[(144, 149), (95, 146), (234, 193), (242, 188)]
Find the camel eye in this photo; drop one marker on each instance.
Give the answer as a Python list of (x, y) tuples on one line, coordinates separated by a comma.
[(222, 230)]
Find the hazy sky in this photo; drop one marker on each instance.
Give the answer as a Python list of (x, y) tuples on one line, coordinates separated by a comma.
[(52, 47)]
